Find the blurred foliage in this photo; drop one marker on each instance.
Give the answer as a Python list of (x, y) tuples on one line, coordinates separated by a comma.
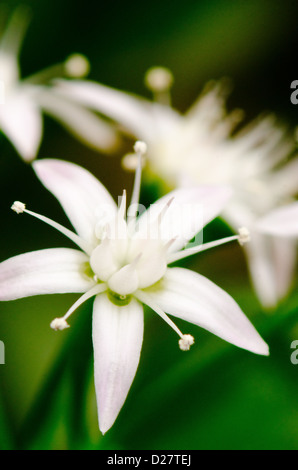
[(216, 396)]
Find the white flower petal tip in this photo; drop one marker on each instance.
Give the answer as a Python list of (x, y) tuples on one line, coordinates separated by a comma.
[(59, 324), (159, 79), (77, 66), (244, 235), (18, 207), (186, 342), (140, 147)]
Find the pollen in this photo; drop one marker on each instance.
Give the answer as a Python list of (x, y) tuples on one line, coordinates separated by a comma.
[(159, 79), (185, 342), (140, 147), (244, 235), (18, 207), (59, 324), (77, 65)]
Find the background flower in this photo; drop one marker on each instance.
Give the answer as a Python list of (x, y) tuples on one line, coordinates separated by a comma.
[(205, 145), (23, 101)]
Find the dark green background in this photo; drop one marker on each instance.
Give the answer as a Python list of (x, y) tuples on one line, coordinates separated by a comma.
[(216, 396)]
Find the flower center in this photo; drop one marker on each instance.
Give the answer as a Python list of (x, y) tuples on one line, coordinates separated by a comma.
[(128, 264), (119, 300)]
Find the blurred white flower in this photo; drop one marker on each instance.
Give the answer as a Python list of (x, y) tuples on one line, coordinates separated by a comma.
[(282, 222), (123, 262), (23, 100), (203, 147)]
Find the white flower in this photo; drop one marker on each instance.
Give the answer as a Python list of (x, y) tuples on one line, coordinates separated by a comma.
[(123, 261), (22, 101), (202, 147), (282, 222)]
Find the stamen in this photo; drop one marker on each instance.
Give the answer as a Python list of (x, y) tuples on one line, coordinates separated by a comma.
[(77, 66), (145, 299), (47, 74), (61, 323), (20, 207), (172, 257), (186, 342), (140, 148), (159, 80), (244, 236)]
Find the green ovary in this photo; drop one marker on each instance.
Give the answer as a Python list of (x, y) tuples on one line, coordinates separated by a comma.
[(119, 300)]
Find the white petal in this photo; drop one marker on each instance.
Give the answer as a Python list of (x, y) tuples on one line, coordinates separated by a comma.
[(9, 70), (282, 222), (117, 341), (152, 262), (11, 42), (190, 210), (84, 199), (284, 180), (102, 260), (192, 297), (56, 270), (21, 121), (284, 264), (84, 124), (132, 112), (125, 281), (16, 27), (271, 265)]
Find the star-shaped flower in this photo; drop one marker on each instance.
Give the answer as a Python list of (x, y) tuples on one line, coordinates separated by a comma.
[(203, 147), (123, 262), (22, 101)]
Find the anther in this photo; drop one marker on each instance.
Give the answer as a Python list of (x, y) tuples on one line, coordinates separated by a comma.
[(185, 342), (59, 324), (77, 65), (159, 79), (18, 207), (140, 147), (244, 235)]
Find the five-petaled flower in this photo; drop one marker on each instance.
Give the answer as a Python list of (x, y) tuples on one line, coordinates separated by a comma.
[(123, 262), (22, 101), (203, 146)]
